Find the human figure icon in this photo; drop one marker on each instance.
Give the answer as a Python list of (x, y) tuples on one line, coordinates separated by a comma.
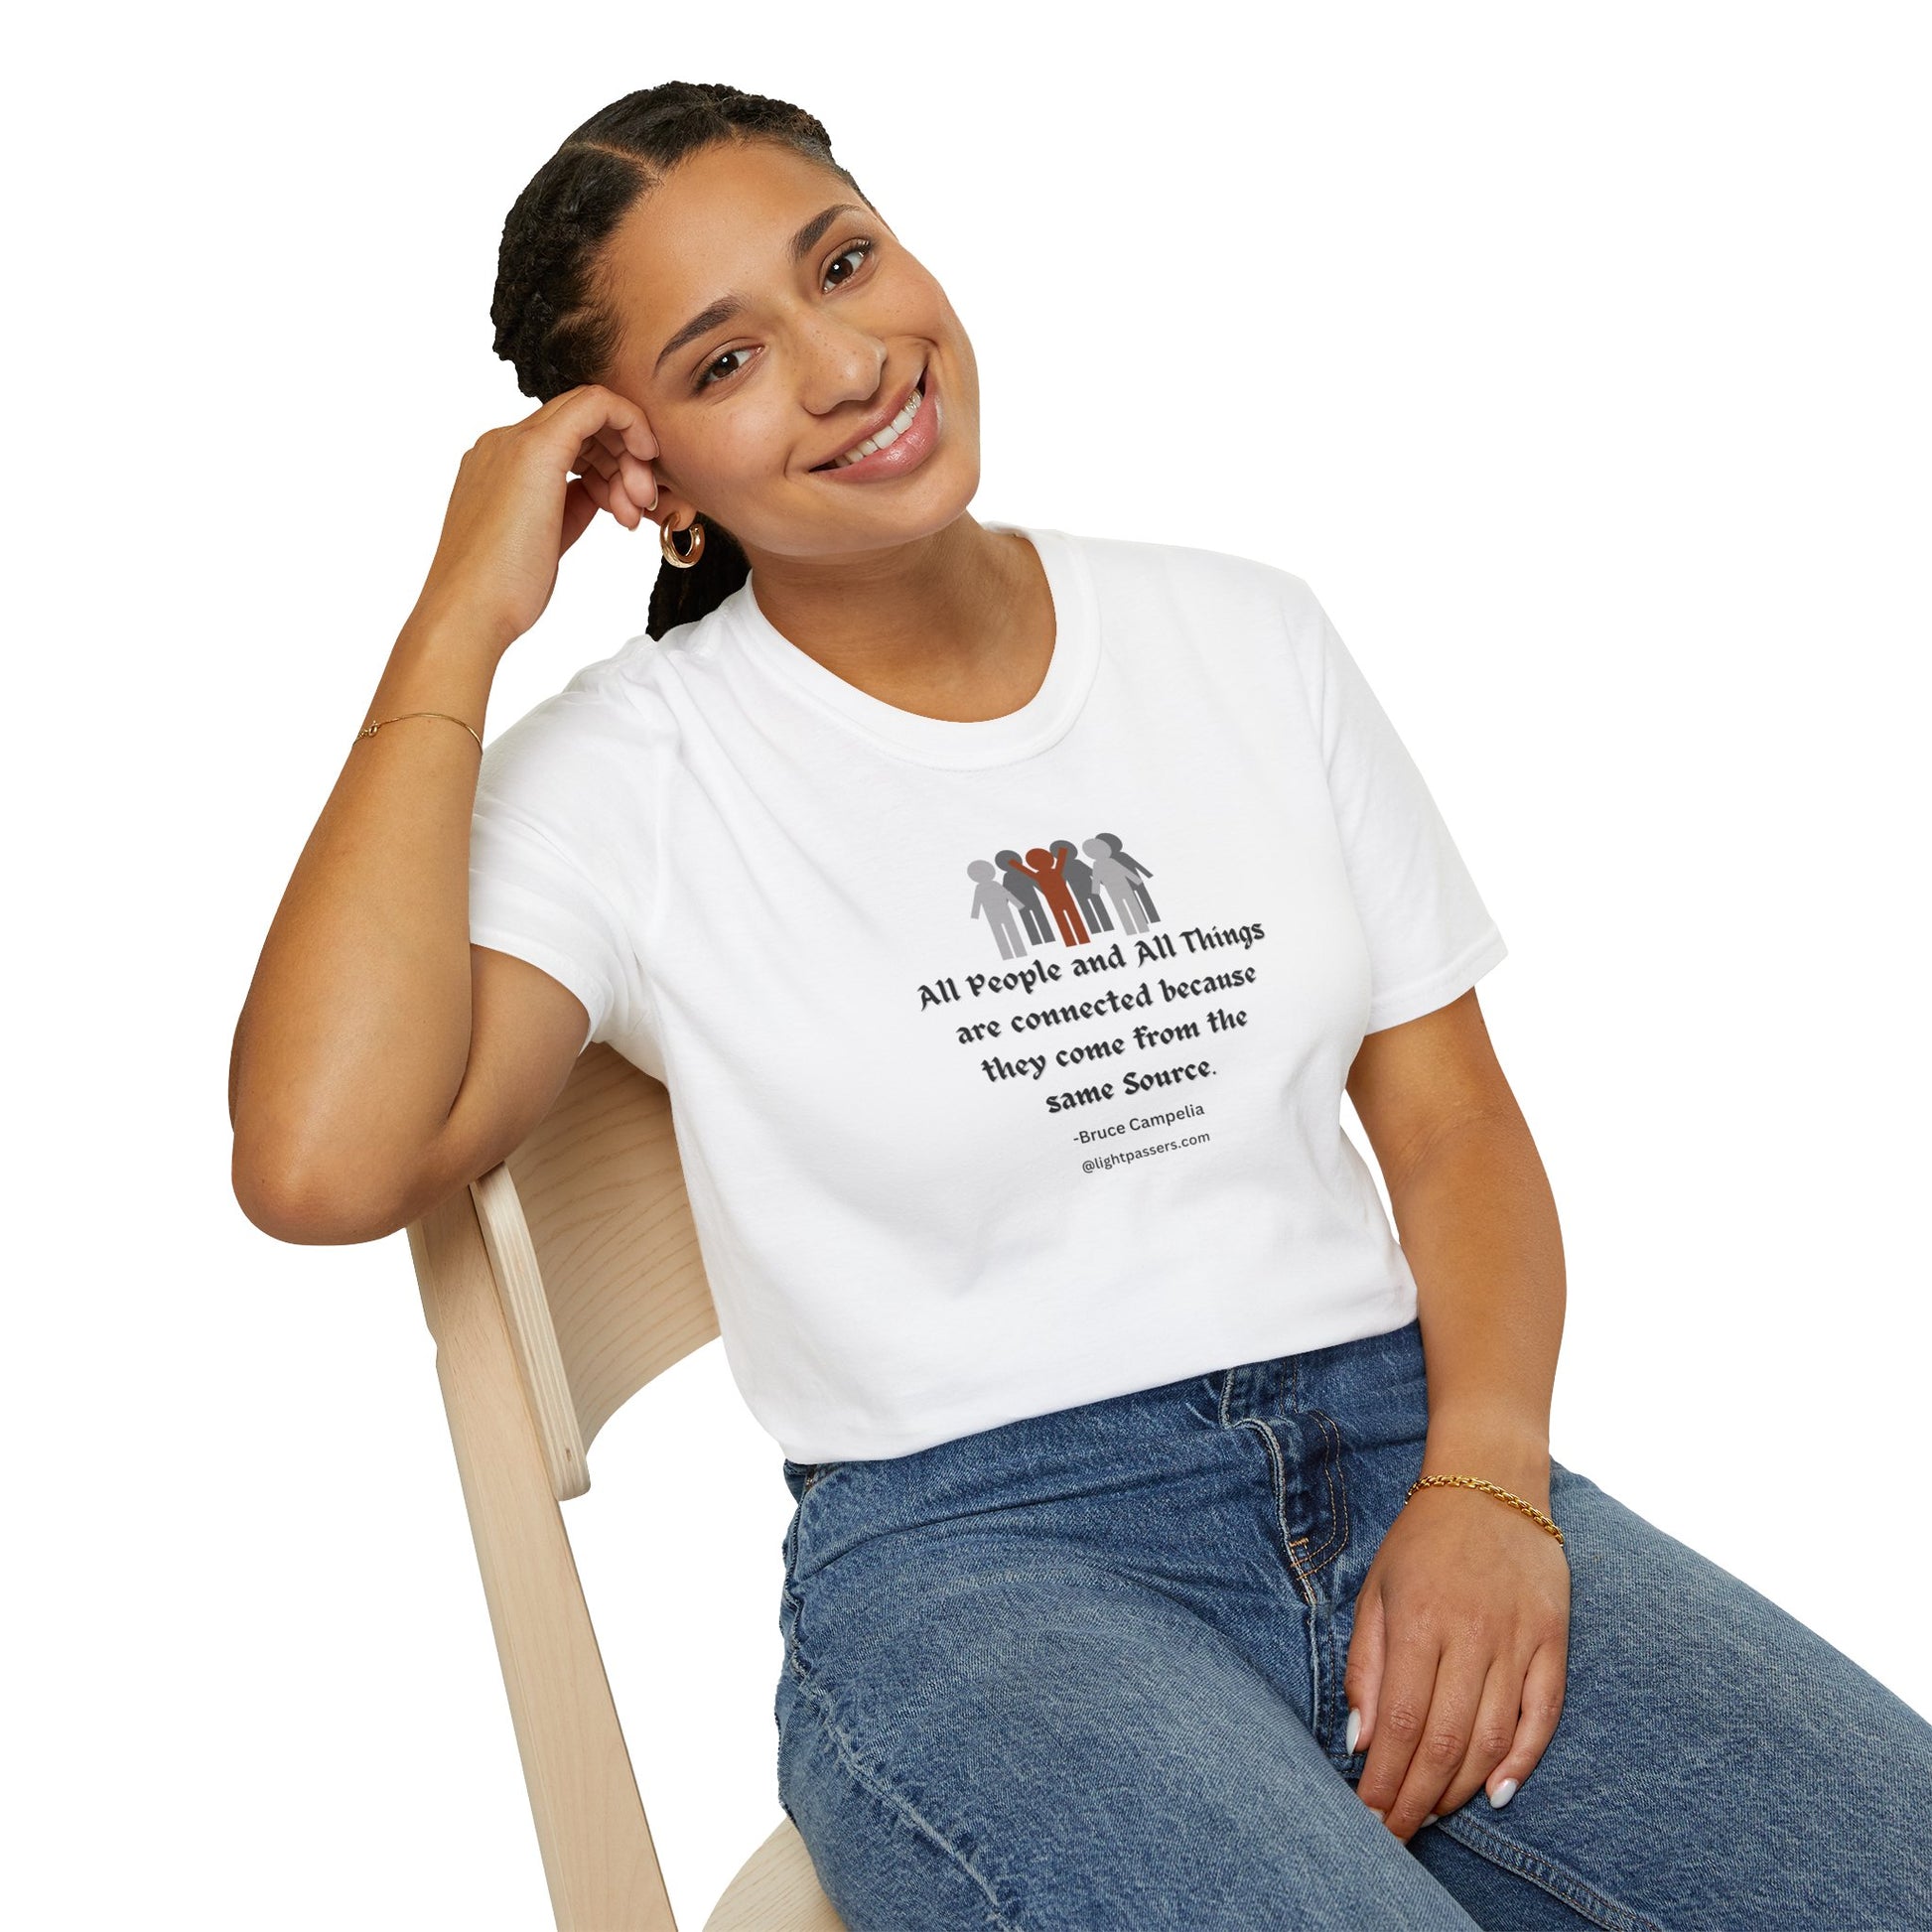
[(1113, 876), (1079, 881), (992, 898), (1046, 871), (1140, 874), (1019, 882)]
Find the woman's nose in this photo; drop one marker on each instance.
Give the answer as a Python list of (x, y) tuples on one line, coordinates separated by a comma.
[(840, 368)]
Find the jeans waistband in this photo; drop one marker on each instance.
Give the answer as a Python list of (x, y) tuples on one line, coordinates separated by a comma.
[(1371, 1386)]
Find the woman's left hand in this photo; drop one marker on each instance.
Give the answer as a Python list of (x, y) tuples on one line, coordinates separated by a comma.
[(1458, 1656)]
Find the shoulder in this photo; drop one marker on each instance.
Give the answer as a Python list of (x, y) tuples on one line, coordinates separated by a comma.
[(1241, 618), (1196, 577), (610, 711), (577, 765)]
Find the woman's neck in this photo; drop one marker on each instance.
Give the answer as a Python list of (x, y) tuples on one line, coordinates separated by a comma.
[(957, 625)]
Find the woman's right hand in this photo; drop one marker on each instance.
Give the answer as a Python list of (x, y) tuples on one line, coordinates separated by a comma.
[(523, 494)]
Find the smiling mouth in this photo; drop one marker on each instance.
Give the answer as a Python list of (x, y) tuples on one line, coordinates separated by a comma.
[(886, 436)]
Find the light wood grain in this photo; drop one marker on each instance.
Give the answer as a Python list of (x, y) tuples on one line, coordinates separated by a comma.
[(777, 1890), (557, 1285)]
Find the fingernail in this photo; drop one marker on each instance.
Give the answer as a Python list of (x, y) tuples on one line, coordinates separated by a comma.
[(1378, 1816), (1431, 1817), (1502, 1794), (1354, 1731)]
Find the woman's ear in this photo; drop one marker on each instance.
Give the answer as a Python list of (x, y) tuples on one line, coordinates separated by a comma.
[(673, 508)]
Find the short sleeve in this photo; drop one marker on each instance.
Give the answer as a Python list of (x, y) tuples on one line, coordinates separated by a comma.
[(1430, 935), (532, 888)]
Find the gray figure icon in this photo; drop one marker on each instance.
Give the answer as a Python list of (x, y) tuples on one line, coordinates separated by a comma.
[(992, 898), (1079, 881), (1140, 874), (1112, 875), (1020, 884)]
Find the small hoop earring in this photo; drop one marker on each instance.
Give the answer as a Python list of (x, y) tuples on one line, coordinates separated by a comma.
[(667, 542)]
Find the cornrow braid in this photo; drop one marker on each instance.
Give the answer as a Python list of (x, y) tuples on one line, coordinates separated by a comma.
[(552, 314)]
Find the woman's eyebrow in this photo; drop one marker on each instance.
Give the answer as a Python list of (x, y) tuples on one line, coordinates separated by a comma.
[(726, 306)]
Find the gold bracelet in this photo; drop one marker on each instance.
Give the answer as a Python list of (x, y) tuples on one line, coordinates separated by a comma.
[(1476, 1482), (369, 731)]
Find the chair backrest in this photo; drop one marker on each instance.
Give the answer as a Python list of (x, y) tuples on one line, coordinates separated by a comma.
[(557, 1284), (588, 1230)]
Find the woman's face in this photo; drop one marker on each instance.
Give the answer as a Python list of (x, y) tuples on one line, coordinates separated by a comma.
[(837, 319)]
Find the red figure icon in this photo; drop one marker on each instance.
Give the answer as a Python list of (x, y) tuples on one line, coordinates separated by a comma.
[(1047, 870)]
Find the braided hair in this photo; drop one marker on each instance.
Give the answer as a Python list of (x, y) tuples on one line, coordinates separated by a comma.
[(552, 314)]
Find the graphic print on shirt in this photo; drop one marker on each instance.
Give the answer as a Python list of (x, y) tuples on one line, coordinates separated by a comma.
[(1070, 886), (1073, 1050)]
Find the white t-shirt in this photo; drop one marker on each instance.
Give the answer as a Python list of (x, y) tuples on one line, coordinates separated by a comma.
[(1005, 1057)]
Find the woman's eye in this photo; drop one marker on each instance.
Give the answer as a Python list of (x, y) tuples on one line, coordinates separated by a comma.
[(860, 248), (723, 367), (724, 363)]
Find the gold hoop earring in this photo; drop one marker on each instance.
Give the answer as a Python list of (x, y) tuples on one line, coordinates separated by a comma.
[(667, 542)]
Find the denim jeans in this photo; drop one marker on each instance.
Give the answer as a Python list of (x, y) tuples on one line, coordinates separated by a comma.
[(1085, 1670)]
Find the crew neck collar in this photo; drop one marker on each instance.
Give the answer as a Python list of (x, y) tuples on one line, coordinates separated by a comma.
[(962, 745)]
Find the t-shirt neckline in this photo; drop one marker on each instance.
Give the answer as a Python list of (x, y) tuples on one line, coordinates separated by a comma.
[(1041, 721)]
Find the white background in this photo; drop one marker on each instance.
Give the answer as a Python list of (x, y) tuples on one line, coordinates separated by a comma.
[(1576, 360)]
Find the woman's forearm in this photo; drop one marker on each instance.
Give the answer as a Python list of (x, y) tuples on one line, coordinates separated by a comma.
[(1478, 1222), (355, 1032)]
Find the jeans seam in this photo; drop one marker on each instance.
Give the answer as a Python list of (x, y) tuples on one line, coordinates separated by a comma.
[(793, 1606), (876, 1785), (1338, 1496), (1326, 1713), (1277, 1464), (1513, 1857)]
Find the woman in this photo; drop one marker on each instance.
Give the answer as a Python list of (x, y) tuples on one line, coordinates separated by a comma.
[(1171, 1546)]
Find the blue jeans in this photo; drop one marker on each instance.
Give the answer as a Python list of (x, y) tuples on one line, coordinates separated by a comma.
[(1085, 1670)]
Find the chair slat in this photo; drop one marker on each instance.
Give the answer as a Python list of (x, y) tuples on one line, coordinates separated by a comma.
[(603, 1195), (558, 1285), (597, 1856)]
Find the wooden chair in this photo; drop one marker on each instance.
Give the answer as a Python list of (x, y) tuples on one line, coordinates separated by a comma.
[(556, 1286)]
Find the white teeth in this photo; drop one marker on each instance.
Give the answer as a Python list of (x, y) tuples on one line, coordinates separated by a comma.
[(887, 436)]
